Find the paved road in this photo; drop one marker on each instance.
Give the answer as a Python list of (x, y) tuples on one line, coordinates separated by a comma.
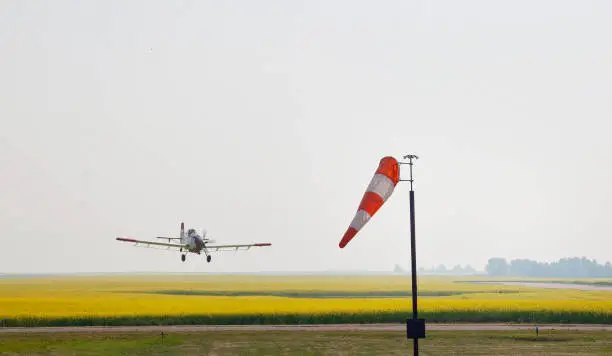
[(320, 327), (556, 285)]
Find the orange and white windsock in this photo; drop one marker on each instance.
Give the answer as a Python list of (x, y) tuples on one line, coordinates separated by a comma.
[(381, 186)]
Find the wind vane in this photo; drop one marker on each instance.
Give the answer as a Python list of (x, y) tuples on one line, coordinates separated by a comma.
[(378, 192)]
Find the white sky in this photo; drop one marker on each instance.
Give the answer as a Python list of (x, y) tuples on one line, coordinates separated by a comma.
[(264, 121)]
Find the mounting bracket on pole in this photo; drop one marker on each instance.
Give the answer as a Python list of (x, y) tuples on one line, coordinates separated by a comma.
[(410, 163)]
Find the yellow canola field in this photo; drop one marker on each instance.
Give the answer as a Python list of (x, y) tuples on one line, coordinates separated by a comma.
[(122, 283), (165, 305), (148, 295)]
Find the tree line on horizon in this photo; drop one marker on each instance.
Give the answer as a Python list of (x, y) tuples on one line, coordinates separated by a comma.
[(440, 269), (573, 267)]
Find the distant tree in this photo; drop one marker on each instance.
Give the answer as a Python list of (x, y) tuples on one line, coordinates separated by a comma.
[(574, 267), (497, 266), (469, 269), (441, 269), (521, 267), (457, 269)]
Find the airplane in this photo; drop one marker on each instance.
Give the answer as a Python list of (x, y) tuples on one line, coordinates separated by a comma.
[(192, 242)]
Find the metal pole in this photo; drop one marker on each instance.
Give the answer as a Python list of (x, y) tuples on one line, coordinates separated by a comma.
[(416, 327), (413, 261)]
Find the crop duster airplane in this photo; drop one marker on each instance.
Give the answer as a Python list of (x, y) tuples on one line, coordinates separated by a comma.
[(192, 242)]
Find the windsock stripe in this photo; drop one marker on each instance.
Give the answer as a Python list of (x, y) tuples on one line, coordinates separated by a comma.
[(370, 203), (360, 219), (381, 185), (348, 236), (388, 167)]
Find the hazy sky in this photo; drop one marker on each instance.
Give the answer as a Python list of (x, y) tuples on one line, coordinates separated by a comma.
[(265, 120)]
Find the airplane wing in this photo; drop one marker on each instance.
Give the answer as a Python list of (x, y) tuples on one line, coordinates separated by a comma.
[(236, 247), (151, 243), (168, 238)]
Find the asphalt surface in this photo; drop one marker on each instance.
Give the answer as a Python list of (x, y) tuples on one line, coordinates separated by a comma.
[(550, 285), (319, 327)]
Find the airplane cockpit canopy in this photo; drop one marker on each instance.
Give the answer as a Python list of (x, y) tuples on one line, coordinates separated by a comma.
[(191, 232)]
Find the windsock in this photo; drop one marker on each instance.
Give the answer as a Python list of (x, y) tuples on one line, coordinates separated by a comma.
[(381, 186)]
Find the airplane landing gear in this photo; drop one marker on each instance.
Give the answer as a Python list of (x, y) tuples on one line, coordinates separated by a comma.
[(183, 258), (208, 258)]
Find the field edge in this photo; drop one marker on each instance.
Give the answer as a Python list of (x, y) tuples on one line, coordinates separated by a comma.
[(534, 317)]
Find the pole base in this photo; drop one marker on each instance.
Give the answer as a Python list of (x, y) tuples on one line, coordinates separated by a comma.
[(415, 328)]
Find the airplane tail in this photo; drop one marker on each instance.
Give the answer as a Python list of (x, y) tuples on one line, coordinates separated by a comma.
[(182, 232)]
